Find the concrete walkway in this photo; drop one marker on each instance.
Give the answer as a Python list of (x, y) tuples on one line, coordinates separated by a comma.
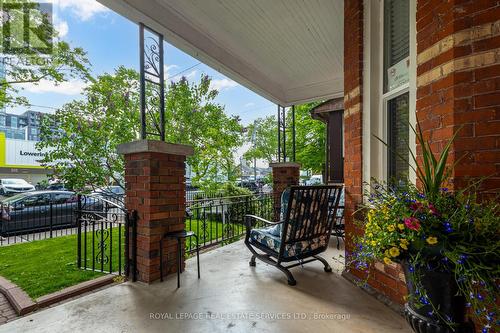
[(229, 297)]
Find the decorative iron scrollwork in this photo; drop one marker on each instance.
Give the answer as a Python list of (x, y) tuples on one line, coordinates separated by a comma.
[(152, 83)]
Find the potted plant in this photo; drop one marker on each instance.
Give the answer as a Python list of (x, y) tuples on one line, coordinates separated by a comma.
[(448, 243)]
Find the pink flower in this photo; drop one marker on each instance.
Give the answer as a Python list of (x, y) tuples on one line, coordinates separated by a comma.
[(433, 209), (415, 206), (412, 223)]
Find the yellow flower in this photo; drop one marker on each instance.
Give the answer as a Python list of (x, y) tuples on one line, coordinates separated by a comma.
[(432, 240), (391, 227), (401, 226), (386, 253), (394, 251), (404, 246), (374, 243), (404, 241), (387, 261)]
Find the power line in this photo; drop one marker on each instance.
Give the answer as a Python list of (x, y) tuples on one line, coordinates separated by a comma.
[(184, 70)]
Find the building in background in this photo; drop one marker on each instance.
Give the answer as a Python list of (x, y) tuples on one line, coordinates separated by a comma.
[(25, 126)]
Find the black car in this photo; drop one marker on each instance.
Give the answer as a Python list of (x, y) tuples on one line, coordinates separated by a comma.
[(39, 211)]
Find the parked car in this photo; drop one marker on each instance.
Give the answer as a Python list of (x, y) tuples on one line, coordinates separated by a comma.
[(10, 186), (315, 180), (115, 194), (41, 210), (57, 187), (250, 185)]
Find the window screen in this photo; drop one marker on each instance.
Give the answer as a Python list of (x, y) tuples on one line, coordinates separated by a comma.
[(398, 136), (396, 34)]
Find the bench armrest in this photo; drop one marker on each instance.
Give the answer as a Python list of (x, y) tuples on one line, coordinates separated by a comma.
[(249, 218)]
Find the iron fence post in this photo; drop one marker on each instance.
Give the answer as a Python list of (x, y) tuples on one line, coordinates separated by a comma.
[(79, 229), (51, 222)]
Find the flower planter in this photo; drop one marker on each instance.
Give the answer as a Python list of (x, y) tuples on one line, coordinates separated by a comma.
[(441, 289)]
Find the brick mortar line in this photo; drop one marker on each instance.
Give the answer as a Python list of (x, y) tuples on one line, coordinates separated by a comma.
[(459, 38), (469, 62)]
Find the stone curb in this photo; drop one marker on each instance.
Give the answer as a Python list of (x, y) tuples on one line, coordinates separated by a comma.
[(19, 300), (23, 304)]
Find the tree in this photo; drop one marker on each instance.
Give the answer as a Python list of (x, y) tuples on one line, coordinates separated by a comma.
[(49, 59), (309, 139), (262, 135), (194, 118), (82, 137)]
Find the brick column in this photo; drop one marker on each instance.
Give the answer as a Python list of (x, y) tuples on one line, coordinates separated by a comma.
[(155, 189), (353, 105), (458, 85), (284, 175)]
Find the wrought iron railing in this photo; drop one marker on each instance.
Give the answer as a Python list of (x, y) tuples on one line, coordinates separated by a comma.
[(222, 220), (106, 234)]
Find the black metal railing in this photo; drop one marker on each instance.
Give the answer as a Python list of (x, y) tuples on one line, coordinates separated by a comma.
[(106, 235), (44, 215), (222, 220)]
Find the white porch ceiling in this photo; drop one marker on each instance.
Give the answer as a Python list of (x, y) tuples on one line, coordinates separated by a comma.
[(288, 51)]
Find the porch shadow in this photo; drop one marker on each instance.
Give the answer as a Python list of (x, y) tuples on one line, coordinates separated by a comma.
[(231, 296)]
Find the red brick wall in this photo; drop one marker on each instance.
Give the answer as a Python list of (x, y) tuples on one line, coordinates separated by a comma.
[(353, 67), (458, 80), (155, 188), (283, 177), (459, 84)]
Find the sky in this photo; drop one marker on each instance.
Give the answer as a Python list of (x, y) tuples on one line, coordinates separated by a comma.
[(110, 41)]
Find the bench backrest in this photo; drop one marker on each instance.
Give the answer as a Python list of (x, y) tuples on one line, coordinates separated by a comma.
[(309, 213)]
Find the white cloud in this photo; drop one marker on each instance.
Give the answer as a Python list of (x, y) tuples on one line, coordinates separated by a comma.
[(74, 87), (223, 84), (168, 69), (83, 9), (249, 105), (62, 28)]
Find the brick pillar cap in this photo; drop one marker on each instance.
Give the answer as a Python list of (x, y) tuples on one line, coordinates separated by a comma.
[(285, 165), (154, 146)]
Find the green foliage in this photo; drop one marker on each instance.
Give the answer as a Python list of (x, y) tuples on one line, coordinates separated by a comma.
[(194, 118), (32, 66), (229, 189), (309, 139), (450, 232), (262, 134), (82, 137)]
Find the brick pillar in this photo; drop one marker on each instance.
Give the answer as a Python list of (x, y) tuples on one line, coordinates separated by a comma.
[(353, 99), (284, 175), (155, 189), (458, 84)]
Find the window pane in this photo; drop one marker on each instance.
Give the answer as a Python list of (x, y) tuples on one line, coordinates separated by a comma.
[(398, 135), (396, 43)]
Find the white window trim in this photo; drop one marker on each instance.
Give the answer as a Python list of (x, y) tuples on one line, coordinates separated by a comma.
[(374, 120)]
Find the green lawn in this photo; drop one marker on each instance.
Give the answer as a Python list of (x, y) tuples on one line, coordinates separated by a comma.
[(45, 266)]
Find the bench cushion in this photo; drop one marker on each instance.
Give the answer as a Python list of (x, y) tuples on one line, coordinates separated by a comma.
[(265, 237)]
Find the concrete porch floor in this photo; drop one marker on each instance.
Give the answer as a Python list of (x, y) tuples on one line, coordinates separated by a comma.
[(230, 297)]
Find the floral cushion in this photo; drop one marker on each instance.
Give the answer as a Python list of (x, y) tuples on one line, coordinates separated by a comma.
[(264, 237), (276, 230)]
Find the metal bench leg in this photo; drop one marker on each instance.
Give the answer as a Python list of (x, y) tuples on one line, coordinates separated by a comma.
[(327, 268)]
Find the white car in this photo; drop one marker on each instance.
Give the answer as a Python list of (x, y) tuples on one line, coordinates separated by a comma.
[(315, 180), (10, 186)]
